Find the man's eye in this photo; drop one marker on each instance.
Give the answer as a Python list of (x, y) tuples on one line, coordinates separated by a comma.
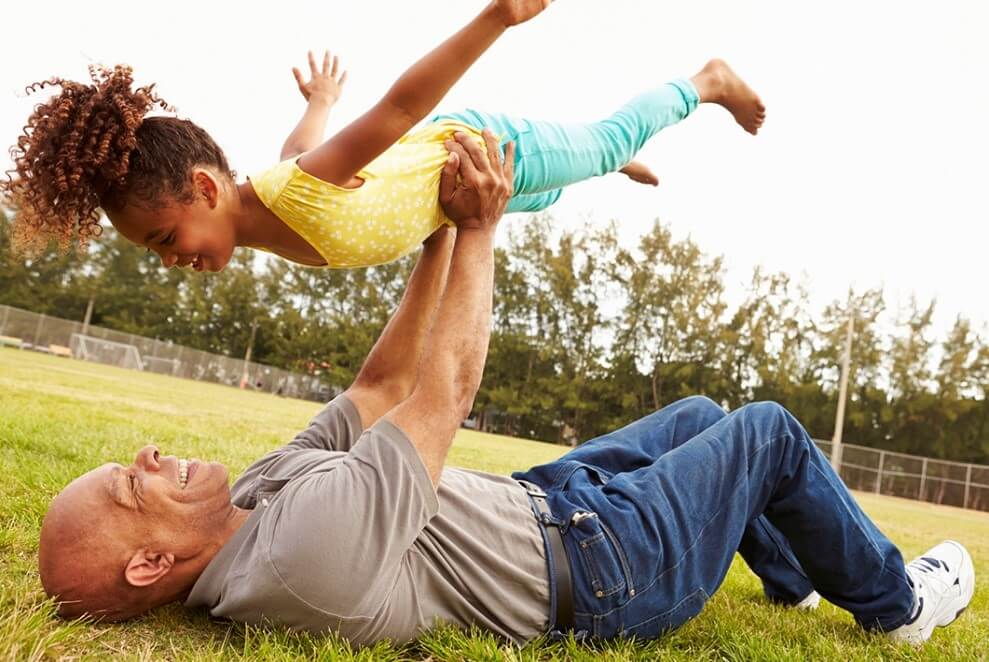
[(169, 240)]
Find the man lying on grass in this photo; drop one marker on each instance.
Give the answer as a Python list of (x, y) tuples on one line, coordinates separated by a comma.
[(356, 527)]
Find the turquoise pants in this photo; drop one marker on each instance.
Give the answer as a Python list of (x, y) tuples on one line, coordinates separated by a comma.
[(549, 155)]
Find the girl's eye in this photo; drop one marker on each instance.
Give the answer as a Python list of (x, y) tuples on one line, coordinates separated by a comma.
[(169, 240)]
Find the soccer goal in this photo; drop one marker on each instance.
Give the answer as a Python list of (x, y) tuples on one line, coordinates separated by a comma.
[(119, 354)]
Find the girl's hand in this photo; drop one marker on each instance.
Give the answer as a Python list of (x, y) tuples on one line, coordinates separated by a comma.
[(513, 12), (324, 84)]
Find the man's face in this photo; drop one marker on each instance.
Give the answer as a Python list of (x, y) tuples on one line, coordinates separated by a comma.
[(122, 539), (161, 501)]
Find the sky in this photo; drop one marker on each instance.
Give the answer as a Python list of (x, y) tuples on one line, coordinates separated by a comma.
[(869, 172)]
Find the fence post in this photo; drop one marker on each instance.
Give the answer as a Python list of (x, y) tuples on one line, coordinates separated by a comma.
[(879, 474), (37, 329), (3, 324), (968, 483), (923, 479)]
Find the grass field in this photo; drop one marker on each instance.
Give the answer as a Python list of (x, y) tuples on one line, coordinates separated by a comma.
[(60, 417)]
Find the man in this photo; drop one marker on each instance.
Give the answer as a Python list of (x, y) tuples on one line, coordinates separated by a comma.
[(356, 527)]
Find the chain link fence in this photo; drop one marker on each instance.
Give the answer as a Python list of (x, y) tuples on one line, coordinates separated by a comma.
[(913, 477), (21, 328)]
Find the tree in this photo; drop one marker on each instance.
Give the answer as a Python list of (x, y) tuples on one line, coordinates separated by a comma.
[(769, 343), (915, 422), (133, 293), (669, 324), (962, 367), (328, 319), (52, 283)]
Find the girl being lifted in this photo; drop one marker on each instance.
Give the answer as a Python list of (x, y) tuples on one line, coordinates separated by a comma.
[(366, 196)]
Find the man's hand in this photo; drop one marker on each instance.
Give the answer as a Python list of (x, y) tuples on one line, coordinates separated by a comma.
[(324, 83), (486, 181), (513, 12)]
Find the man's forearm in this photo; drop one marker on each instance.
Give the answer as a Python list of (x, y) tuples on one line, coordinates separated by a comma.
[(308, 133), (394, 359), (453, 358), (458, 344)]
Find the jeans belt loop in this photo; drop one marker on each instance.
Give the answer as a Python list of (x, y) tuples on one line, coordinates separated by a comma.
[(560, 561)]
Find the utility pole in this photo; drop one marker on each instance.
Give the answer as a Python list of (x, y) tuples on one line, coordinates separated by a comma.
[(247, 355), (88, 317), (839, 421)]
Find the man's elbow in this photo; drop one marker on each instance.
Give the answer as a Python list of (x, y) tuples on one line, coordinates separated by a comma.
[(464, 407), (465, 392), (393, 387), (451, 402)]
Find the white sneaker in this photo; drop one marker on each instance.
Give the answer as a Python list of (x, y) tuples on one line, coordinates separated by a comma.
[(810, 602), (943, 582)]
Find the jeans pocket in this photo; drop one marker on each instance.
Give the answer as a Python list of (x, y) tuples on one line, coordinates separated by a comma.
[(603, 560), (655, 625)]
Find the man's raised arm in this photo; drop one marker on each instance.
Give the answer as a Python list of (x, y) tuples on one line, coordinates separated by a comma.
[(453, 357), (389, 371)]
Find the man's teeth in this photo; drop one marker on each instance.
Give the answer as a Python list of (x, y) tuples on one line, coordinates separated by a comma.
[(183, 472)]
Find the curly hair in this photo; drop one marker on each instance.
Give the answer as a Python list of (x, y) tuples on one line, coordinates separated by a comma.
[(92, 146)]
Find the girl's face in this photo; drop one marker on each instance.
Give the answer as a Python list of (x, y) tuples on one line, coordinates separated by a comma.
[(199, 234)]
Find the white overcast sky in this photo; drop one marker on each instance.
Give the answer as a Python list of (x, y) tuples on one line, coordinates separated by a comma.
[(870, 171)]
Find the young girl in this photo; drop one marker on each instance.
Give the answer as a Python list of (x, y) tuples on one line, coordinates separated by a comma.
[(366, 196)]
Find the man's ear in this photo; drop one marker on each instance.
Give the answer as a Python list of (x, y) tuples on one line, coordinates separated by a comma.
[(146, 567), (207, 187)]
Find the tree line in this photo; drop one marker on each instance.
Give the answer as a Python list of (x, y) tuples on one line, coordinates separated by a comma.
[(588, 334)]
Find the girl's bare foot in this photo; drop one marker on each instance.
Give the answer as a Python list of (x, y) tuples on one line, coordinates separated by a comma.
[(717, 83), (639, 172)]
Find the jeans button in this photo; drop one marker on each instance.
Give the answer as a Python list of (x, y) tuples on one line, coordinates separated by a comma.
[(600, 594)]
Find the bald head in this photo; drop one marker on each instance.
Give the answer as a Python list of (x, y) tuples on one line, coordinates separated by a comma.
[(120, 540), (81, 558)]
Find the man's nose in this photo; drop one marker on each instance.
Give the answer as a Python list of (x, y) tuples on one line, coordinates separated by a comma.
[(147, 458)]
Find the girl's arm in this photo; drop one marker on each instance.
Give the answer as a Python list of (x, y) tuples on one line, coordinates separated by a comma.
[(414, 94), (321, 91)]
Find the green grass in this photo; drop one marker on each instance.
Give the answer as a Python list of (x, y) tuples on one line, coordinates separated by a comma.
[(60, 417)]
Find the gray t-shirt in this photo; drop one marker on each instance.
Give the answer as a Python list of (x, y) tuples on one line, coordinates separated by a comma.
[(348, 535)]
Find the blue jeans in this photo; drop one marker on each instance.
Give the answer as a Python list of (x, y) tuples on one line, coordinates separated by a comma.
[(550, 155), (653, 514)]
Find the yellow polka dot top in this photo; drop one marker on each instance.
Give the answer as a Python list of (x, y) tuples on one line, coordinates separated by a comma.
[(385, 218)]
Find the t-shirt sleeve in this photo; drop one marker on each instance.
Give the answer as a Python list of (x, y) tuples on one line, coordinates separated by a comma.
[(339, 537), (336, 427)]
